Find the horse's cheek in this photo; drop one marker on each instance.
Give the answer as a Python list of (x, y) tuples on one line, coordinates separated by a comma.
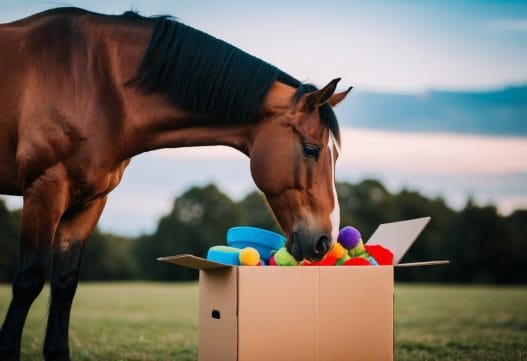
[(259, 172)]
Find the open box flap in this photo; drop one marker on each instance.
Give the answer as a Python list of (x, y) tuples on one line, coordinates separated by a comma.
[(421, 264), (191, 261), (398, 236)]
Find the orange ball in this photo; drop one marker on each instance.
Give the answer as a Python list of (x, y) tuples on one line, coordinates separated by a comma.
[(338, 251)]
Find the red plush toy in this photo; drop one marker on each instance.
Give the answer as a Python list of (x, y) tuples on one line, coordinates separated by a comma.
[(357, 261), (382, 255), (328, 260)]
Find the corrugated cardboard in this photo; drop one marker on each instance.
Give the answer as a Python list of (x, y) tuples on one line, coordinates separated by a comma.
[(218, 316), (301, 313)]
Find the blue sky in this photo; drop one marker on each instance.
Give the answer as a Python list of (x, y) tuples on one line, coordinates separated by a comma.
[(377, 46), (401, 46)]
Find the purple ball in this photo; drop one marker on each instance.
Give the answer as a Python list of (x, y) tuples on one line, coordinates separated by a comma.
[(349, 237)]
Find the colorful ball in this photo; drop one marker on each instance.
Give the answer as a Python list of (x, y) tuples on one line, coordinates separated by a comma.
[(283, 258), (359, 250), (349, 237), (338, 251), (249, 256)]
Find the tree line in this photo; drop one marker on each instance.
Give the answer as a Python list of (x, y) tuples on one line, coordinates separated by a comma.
[(482, 245)]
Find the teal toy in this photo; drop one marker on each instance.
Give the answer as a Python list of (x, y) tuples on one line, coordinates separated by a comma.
[(263, 240), (372, 261), (224, 254)]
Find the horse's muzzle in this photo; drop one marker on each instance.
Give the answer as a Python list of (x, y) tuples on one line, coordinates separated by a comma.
[(308, 245)]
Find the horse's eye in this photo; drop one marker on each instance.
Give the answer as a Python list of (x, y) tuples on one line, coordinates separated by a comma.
[(311, 151)]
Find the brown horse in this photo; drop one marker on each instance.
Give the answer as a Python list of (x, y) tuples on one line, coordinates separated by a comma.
[(82, 93)]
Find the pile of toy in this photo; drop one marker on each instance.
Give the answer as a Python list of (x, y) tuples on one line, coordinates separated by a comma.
[(251, 246)]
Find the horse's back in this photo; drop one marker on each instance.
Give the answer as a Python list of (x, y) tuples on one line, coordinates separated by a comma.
[(35, 46)]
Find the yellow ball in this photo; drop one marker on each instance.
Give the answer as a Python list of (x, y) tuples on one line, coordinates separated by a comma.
[(249, 257)]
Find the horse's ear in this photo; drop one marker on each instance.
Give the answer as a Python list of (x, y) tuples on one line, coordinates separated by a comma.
[(320, 97), (337, 98)]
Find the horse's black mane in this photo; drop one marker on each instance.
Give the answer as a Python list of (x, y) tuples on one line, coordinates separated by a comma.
[(205, 75)]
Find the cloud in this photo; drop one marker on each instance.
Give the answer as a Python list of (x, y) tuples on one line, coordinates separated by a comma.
[(418, 152), (432, 153), (201, 153)]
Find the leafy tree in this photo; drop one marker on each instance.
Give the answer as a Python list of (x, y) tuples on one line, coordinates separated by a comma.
[(199, 219), (483, 248), (255, 212), (108, 257), (482, 245), (517, 246), (365, 205)]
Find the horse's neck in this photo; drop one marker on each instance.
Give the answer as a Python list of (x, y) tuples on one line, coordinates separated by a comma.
[(165, 126), (156, 125), (150, 122), (180, 129)]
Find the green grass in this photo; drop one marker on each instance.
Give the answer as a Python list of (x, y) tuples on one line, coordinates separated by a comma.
[(120, 321), (460, 323), (156, 321)]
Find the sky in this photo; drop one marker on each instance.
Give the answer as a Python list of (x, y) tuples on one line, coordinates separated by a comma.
[(409, 47)]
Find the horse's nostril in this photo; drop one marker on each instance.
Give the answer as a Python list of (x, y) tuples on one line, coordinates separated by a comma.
[(322, 245)]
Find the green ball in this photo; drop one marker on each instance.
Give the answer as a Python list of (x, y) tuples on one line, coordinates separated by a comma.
[(358, 250), (284, 258)]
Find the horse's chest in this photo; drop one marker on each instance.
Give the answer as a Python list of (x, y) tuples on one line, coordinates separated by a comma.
[(90, 185)]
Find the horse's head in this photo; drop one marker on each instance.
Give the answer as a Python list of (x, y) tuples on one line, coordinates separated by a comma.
[(293, 153)]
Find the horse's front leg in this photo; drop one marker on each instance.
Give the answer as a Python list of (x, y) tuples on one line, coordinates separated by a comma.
[(44, 200), (74, 228), (27, 283)]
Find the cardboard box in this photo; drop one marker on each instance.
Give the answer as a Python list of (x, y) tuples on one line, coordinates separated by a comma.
[(301, 313)]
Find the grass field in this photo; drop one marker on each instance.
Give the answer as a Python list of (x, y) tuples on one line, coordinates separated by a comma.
[(158, 321)]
